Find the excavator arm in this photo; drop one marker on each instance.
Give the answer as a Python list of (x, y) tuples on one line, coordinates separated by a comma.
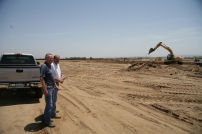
[(170, 57), (163, 45)]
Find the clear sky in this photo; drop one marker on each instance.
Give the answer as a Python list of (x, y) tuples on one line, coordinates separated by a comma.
[(100, 28)]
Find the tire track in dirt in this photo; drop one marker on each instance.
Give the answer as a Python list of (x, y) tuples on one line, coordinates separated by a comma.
[(74, 110), (143, 93), (118, 104), (149, 94), (89, 111), (107, 100)]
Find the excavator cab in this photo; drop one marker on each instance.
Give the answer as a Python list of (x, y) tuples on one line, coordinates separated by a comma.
[(170, 57)]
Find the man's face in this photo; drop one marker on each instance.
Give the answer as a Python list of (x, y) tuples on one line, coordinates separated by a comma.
[(57, 59), (49, 59)]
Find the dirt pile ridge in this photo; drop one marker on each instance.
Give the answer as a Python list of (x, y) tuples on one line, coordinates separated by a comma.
[(172, 69), (142, 66)]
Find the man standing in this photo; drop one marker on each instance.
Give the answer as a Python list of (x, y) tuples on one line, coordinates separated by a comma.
[(59, 78), (48, 84)]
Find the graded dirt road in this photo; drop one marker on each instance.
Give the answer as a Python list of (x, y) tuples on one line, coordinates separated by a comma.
[(112, 98)]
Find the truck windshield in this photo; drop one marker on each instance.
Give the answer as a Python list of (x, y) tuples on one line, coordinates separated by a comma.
[(17, 59)]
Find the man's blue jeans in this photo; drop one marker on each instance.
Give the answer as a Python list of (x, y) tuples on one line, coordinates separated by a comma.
[(49, 104), (54, 101)]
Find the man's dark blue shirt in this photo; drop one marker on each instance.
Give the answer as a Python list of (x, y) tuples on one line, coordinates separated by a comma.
[(46, 73)]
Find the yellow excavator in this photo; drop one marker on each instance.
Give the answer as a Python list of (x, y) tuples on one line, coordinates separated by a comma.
[(170, 57)]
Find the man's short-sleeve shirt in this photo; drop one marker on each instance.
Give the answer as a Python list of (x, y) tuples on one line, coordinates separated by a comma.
[(47, 74), (56, 70)]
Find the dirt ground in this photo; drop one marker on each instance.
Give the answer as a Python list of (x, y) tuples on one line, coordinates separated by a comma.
[(113, 98)]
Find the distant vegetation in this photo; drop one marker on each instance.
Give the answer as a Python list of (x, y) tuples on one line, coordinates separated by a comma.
[(139, 57)]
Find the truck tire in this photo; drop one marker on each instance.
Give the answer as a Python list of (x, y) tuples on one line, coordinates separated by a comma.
[(38, 92)]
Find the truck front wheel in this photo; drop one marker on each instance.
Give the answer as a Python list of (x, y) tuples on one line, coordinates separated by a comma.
[(38, 92)]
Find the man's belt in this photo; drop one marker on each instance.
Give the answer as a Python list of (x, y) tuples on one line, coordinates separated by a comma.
[(50, 85)]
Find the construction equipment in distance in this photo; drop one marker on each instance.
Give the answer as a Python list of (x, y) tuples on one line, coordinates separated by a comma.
[(196, 59), (170, 57)]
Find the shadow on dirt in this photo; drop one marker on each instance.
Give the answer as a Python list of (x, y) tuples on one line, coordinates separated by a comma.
[(39, 118), (37, 126), (17, 97), (34, 127)]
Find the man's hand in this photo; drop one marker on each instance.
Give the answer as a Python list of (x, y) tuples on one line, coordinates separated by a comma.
[(61, 80), (62, 76), (57, 87), (45, 92)]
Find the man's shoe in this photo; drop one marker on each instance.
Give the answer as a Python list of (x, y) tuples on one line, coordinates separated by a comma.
[(56, 116), (50, 125)]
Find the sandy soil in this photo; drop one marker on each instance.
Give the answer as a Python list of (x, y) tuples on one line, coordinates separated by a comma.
[(112, 98)]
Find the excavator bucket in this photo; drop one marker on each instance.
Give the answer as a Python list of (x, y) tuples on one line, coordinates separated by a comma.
[(151, 50)]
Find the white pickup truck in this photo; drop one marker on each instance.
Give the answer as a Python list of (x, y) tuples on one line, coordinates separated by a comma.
[(20, 71)]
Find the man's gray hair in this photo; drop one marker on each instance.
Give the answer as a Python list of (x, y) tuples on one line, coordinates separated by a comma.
[(47, 54)]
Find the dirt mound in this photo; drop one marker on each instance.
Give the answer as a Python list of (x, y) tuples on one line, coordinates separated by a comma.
[(172, 69), (142, 66)]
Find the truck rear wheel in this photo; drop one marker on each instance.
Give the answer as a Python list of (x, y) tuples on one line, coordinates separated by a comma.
[(38, 92)]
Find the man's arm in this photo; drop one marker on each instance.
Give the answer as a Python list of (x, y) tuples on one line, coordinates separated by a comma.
[(61, 80), (45, 91), (56, 86)]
